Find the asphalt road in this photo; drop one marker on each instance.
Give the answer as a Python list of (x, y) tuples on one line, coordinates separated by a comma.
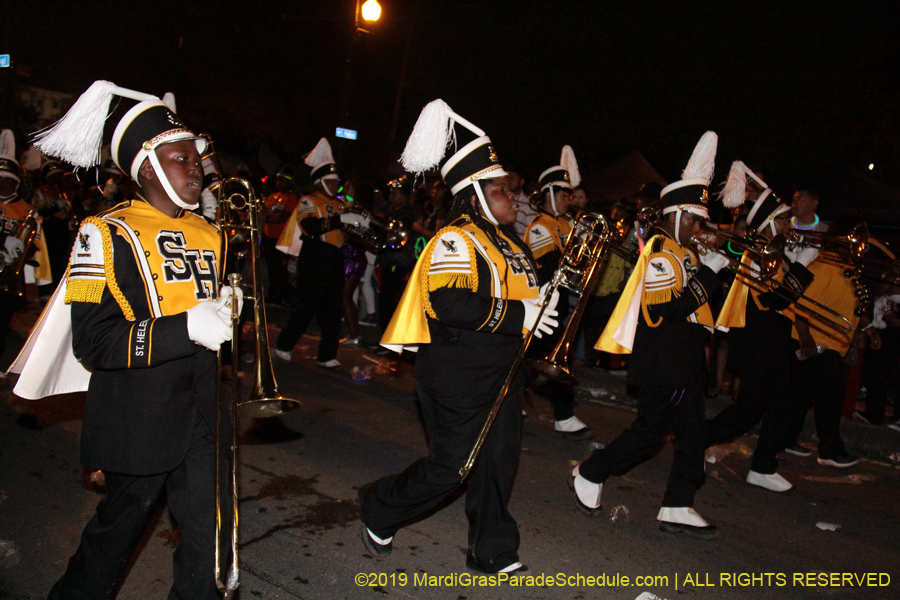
[(300, 528)]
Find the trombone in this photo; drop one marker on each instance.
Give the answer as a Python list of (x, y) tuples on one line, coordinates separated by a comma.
[(586, 246), (239, 227), (769, 255)]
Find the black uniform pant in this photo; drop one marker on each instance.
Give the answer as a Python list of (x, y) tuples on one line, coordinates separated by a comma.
[(763, 395), (660, 410), (111, 536), (276, 269), (453, 423), (820, 382), (320, 285)]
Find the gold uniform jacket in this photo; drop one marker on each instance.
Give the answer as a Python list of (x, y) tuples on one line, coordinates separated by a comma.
[(132, 275), (661, 316), (462, 309)]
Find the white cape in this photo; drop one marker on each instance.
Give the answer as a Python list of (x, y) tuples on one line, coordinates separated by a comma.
[(47, 364)]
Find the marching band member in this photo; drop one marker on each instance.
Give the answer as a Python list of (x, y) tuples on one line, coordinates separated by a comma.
[(473, 294), (760, 345), (139, 307), (315, 230), (546, 237), (661, 319)]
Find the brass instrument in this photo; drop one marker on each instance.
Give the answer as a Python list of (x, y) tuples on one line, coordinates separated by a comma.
[(843, 250), (769, 255), (239, 226), (585, 249), (620, 242), (11, 272), (379, 234)]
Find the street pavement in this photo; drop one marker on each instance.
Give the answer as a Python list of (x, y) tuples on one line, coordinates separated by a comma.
[(299, 533)]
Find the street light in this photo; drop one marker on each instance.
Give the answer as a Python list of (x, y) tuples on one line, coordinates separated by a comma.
[(371, 10)]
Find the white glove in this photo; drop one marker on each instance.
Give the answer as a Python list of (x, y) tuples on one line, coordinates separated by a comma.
[(532, 306), (206, 326), (804, 256), (714, 260), (12, 248), (226, 292), (354, 219)]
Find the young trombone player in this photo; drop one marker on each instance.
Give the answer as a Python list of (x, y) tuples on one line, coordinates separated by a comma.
[(142, 307), (470, 300), (760, 345), (661, 319)]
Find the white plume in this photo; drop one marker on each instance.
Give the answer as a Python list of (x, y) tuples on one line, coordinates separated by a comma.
[(8, 144), (429, 139), (77, 137), (567, 161), (169, 100), (702, 164), (735, 191), (431, 136), (320, 155)]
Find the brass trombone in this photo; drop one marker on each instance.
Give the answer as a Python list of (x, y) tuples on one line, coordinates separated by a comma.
[(769, 255), (239, 227), (849, 247), (587, 245)]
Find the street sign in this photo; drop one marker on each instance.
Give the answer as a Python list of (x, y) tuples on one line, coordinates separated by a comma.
[(4, 60), (347, 134)]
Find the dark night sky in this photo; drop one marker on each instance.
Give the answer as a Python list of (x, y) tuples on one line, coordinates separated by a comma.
[(789, 88)]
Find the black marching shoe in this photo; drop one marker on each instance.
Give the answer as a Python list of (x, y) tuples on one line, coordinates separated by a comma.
[(701, 533), (798, 450)]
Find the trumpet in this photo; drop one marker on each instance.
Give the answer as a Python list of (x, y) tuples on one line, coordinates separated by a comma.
[(585, 249), (239, 225), (769, 256), (11, 272), (379, 234)]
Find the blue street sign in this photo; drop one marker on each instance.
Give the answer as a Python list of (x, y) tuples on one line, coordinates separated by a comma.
[(4, 60), (348, 134)]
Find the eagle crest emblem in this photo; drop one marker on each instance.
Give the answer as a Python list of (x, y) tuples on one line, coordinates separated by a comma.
[(450, 245), (83, 241)]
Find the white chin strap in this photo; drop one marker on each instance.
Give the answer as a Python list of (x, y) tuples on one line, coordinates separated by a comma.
[(770, 220), (484, 207), (553, 202), (166, 185), (678, 226)]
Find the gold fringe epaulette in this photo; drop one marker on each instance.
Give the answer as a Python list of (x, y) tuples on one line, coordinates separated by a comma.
[(649, 298), (86, 290), (431, 283)]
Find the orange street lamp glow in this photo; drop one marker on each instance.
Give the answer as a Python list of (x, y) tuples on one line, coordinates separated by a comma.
[(371, 10)]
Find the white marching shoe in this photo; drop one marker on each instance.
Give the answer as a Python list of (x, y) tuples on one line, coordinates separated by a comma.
[(773, 482), (686, 520)]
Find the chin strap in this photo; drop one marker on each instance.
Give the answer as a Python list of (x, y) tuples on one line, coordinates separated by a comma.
[(678, 226), (553, 202), (170, 191), (484, 207)]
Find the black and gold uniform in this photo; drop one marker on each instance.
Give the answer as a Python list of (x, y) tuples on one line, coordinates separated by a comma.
[(464, 311), (461, 309), (662, 319), (135, 322), (760, 349), (546, 237), (320, 265)]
